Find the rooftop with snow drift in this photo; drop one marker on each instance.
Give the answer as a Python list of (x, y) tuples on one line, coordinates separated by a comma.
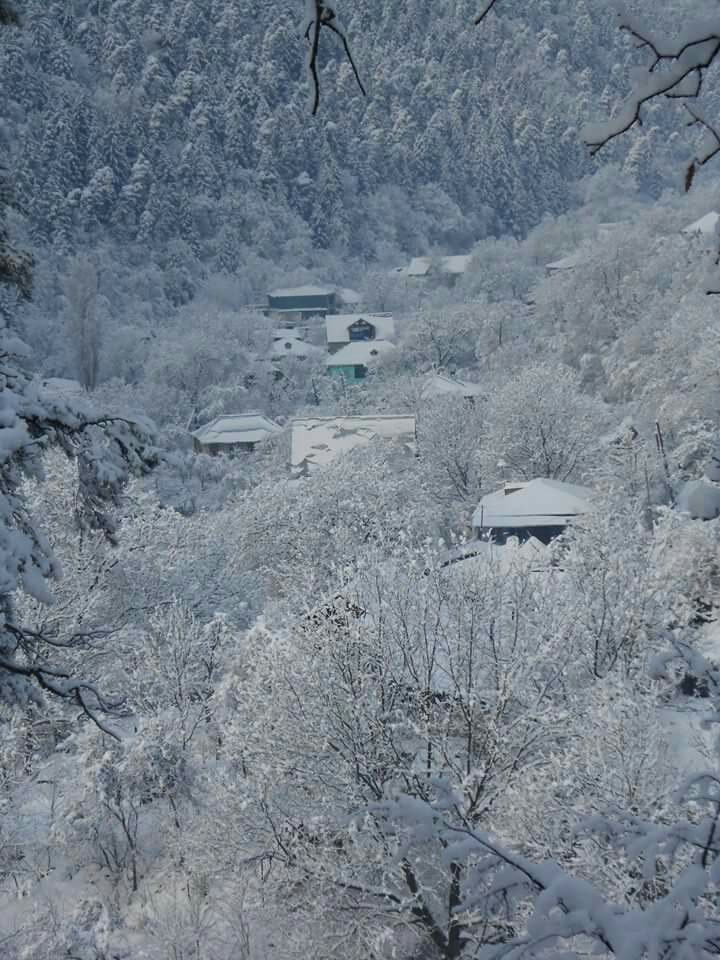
[(422, 266), (293, 346), (536, 503), (316, 441), (359, 352), (308, 290), (234, 428)]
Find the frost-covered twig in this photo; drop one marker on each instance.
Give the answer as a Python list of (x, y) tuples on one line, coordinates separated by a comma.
[(683, 65)]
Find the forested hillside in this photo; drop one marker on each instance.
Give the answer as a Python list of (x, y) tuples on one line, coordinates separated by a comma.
[(180, 130)]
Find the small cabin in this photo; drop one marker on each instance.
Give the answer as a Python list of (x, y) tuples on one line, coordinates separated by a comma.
[(540, 508), (233, 433), (297, 304), (443, 269)]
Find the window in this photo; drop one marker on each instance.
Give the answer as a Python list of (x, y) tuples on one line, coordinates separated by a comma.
[(361, 330), (360, 371)]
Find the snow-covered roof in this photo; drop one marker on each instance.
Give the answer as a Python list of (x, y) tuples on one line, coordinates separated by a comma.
[(345, 294), (706, 226), (537, 503), (457, 264), (316, 441), (309, 290), (439, 385), (337, 325), (348, 296), (701, 499), (359, 352), (286, 332), (418, 267), (422, 266), (236, 428), (567, 263), (294, 347)]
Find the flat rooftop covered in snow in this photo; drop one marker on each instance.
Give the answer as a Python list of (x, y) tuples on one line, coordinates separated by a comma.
[(316, 441), (537, 503)]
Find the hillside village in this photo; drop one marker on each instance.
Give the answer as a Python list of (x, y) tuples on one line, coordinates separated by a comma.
[(312, 324)]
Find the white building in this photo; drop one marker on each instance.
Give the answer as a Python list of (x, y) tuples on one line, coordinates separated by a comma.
[(233, 432), (540, 508), (316, 441)]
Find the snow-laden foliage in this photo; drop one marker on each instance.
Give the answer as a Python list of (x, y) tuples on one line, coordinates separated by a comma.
[(105, 449)]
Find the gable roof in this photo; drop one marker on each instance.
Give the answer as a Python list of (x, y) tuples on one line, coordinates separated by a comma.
[(316, 441), (422, 266), (338, 324), (539, 503), (236, 428), (359, 352), (293, 346), (439, 385)]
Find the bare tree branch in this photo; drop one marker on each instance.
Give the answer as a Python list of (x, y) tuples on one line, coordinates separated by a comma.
[(323, 15)]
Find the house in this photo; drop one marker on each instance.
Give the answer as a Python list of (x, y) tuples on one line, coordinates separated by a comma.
[(540, 508), (441, 385), (316, 441), (345, 328), (351, 361), (444, 268), (233, 432), (289, 343), (297, 304)]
